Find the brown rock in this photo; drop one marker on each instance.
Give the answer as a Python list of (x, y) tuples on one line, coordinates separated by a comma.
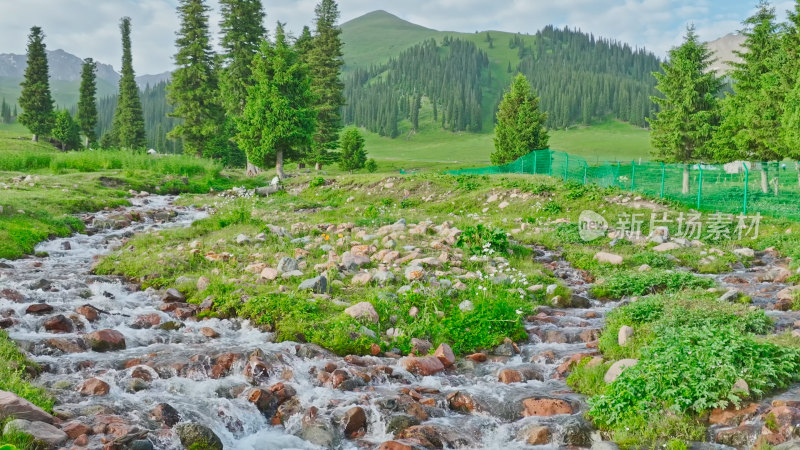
[(12, 295), (106, 340), (67, 345), (142, 373), (477, 357), (374, 349), (76, 429), (398, 445), (509, 376), (165, 414), (39, 308), (566, 366), (425, 365), (732, 416), (59, 324), (94, 386), (545, 407), (355, 422), (445, 355), (146, 321), (89, 312), (209, 332), (461, 402), (81, 441), (536, 435)]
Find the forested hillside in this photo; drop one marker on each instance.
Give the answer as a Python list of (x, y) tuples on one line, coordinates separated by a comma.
[(461, 77)]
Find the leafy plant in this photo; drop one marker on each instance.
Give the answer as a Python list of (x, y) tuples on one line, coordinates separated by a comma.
[(371, 166), (624, 284), (481, 240), (552, 207), (316, 181)]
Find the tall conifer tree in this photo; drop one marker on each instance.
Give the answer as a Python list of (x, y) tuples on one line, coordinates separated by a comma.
[(194, 88), (87, 103), (279, 118), (242, 31), (752, 115), (35, 100), (325, 61), (128, 129), (684, 126), (520, 125)]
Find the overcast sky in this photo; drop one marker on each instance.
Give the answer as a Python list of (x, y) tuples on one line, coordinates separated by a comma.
[(89, 28)]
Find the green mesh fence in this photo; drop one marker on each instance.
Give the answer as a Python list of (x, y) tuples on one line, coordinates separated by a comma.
[(738, 188)]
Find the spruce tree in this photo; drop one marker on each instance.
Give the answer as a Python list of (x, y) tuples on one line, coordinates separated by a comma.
[(520, 125), (353, 155), (87, 104), (279, 119), (66, 130), (194, 89), (325, 61), (128, 129), (789, 65), (242, 32), (689, 110), (753, 113), (5, 112), (35, 99)]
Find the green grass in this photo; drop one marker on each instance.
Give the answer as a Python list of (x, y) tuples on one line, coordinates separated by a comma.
[(436, 149), (14, 377)]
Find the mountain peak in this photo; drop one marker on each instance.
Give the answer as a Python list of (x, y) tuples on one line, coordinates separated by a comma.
[(382, 19)]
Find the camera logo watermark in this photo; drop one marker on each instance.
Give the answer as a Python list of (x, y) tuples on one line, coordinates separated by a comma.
[(591, 225)]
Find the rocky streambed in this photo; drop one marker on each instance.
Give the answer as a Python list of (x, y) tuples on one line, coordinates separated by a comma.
[(136, 369)]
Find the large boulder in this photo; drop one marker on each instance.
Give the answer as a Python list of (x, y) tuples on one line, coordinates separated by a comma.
[(94, 386), (200, 436), (317, 284), (616, 369), (287, 264), (173, 296), (12, 405), (363, 310), (106, 340), (608, 258), (425, 365), (624, 336), (41, 431)]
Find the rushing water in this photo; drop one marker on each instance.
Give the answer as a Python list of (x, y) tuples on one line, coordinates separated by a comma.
[(180, 363)]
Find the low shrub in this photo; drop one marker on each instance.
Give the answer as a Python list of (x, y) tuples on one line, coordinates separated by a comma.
[(482, 240), (624, 284)]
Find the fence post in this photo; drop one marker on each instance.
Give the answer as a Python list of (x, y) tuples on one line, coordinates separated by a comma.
[(633, 175), (746, 182), (535, 158), (585, 171), (663, 174), (616, 175), (550, 166), (699, 185), (566, 165), (523, 165)]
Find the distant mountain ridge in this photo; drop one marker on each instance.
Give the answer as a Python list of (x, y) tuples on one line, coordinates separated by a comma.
[(65, 66), (723, 50)]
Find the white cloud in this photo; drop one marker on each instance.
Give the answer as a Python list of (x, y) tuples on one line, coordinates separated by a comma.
[(89, 28)]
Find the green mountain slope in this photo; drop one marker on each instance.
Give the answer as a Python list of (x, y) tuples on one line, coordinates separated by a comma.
[(581, 79), (65, 93)]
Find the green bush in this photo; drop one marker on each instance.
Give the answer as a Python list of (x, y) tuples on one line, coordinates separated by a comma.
[(625, 284), (316, 182), (691, 370), (371, 166), (481, 240)]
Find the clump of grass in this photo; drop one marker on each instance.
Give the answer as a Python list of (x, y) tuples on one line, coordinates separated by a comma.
[(14, 378), (588, 380)]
